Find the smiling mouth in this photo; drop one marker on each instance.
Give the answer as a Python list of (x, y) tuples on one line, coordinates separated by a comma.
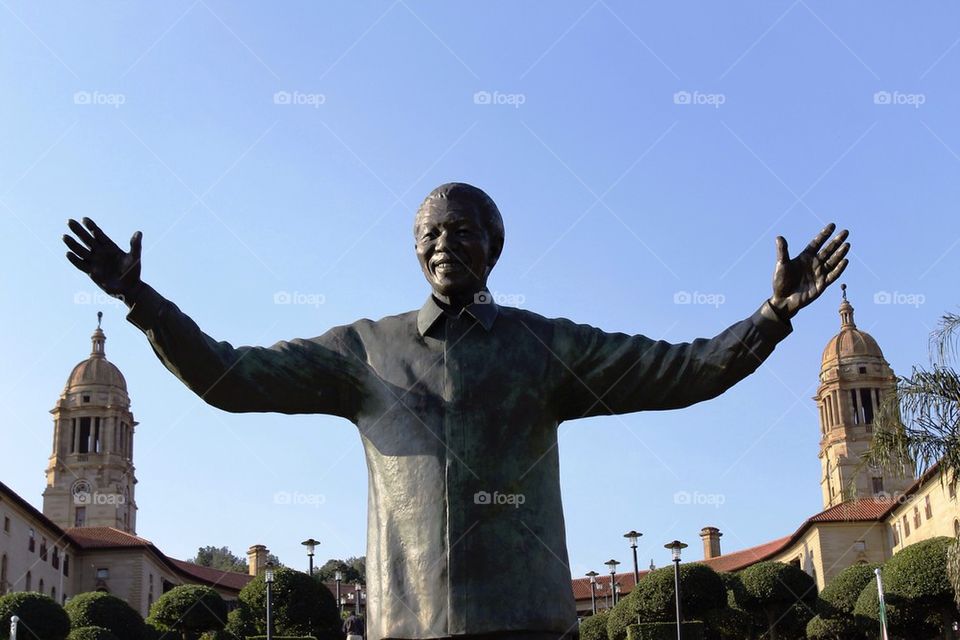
[(447, 266)]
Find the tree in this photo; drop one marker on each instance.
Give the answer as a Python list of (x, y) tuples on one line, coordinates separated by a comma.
[(782, 595), (220, 558), (653, 600), (96, 609), (595, 627), (353, 569), (301, 606), (902, 621), (190, 610), (919, 425), (41, 618), (917, 577), (91, 633), (839, 597)]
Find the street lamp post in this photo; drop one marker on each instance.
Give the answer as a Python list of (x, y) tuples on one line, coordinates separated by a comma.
[(593, 590), (338, 576), (632, 536), (268, 578), (310, 544), (676, 546), (613, 579)]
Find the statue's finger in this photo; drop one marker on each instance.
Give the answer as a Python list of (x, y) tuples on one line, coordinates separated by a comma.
[(99, 235), (78, 263), (782, 255), (80, 232), (834, 243), (834, 259), (836, 272), (81, 251), (817, 242)]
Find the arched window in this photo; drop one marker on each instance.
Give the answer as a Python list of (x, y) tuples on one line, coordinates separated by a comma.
[(956, 531), (31, 542), (3, 574), (66, 565), (53, 592), (40, 590), (29, 584), (55, 560)]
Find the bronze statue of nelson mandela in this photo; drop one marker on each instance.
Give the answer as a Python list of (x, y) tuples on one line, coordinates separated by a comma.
[(458, 402)]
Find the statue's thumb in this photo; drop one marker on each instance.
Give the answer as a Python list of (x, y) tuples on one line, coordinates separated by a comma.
[(782, 255), (135, 244)]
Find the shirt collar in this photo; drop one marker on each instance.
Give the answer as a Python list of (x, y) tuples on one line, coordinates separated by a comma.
[(484, 311)]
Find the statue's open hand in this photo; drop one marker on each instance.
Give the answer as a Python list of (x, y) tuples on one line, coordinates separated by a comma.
[(800, 281), (110, 267)]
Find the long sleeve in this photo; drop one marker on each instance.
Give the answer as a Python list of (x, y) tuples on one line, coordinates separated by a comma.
[(611, 373), (318, 375)]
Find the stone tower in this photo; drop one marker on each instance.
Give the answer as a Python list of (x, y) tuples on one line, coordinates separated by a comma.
[(854, 379), (90, 475)]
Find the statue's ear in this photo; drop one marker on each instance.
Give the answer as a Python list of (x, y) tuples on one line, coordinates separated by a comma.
[(496, 249)]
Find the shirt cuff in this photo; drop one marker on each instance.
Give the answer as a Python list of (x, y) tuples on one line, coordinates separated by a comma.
[(145, 311), (769, 323)]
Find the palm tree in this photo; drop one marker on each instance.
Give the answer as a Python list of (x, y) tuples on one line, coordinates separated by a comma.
[(920, 423)]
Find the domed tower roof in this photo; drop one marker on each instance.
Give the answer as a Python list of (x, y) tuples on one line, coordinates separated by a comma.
[(96, 370), (851, 344)]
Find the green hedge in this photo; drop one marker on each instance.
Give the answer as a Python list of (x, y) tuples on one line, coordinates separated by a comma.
[(594, 627), (96, 609), (665, 631), (91, 633), (41, 618)]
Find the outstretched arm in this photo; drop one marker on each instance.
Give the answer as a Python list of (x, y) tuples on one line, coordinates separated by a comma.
[(301, 376), (610, 373)]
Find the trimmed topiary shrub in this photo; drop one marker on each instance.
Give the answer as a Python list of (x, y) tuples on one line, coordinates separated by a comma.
[(782, 595), (840, 596), (96, 609), (594, 627), (653, 600), (190, 610), (902, 621), (666, 630), (844, 628), (91, 633), (301, 606), (41, 618), (917, 576)]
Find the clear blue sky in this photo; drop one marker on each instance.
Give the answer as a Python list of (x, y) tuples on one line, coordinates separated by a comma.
[(636, 151)]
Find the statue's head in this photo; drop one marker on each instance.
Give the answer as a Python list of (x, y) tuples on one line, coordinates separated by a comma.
[(458, 234)]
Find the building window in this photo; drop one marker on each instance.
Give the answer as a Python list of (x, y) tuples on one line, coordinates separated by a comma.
[(866, 403), (86, 398), (896, 536), (84, 435), (6, 524), (40, 590), (916, 517), (55, 560), (80, 517), (31, 543), (927, 507), (877, 485), (43, 550), (53, 592), (952, 490), (956, 532), (906, 527), (29, 581), (66, 565), (103, 574), (3, 571)]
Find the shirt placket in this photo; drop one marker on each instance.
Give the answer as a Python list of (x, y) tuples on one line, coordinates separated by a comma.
[(455, 439)]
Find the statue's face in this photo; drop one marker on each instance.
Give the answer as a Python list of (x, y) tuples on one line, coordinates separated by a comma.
[(453, 247)]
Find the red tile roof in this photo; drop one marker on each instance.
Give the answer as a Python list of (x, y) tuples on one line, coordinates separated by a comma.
[(213, 576), (861, 510), (746, 557), (581, 586), (105, 538)]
